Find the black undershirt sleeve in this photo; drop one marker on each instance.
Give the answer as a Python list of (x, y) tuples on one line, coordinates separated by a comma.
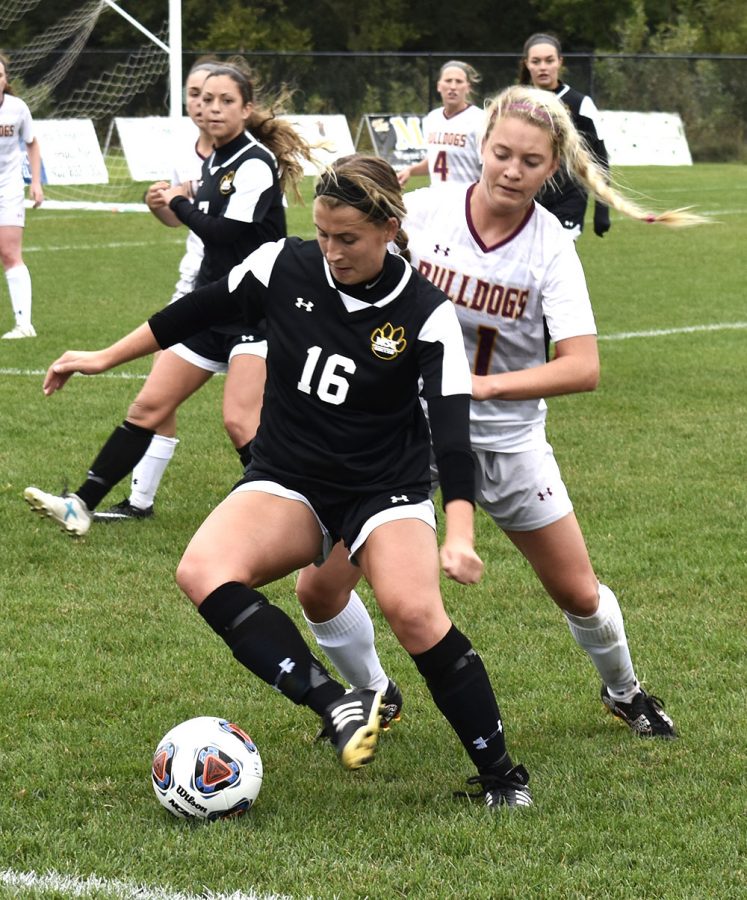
[(210, 229), (448, 418), (211, 305)]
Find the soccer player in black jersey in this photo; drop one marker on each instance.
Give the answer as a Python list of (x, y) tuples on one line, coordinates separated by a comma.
[(501, 245), (238, 206), (342, 452), (564, 197)]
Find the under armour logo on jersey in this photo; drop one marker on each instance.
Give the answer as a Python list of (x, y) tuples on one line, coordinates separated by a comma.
[(403, 498), (304, 304), (439, 249), (546, 493), (247, 337)]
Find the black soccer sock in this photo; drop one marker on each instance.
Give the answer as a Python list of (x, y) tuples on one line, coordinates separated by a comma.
[(245, 453), (461, 689), (122, 451), (266, 641)]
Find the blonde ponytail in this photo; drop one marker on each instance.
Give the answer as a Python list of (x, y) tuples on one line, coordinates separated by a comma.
[(545, 110)]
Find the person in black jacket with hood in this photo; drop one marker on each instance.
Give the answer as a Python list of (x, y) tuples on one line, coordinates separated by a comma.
[(540, 66)]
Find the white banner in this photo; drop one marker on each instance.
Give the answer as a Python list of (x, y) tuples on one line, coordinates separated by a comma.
[(645, 138), (70, 152), (329, 137), (148, 143)]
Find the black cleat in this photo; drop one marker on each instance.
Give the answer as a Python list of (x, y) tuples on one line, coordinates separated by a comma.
[(391, 710), (352, 724), (509, 789), (391, 705), (121, 511), (644, 714)]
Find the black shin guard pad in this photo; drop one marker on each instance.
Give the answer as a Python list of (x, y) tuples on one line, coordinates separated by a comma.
[(266, 641), (461, 689)]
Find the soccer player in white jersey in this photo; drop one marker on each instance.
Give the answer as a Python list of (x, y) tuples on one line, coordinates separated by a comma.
[(508, 265), (541, 66), (188, 162), (16, 126), (357, 336), (453, 131)]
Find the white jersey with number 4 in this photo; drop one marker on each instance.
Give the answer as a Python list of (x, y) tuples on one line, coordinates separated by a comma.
[(454, 145), (503, 295)]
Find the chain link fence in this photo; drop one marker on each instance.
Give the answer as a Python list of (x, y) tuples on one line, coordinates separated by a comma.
[(707, 91)]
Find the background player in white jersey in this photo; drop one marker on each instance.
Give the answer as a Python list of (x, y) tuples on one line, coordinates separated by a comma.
[(564, 197), (188, 162), (238, 206), (508, 265), (16, 125), (452, 132), (342, 452)]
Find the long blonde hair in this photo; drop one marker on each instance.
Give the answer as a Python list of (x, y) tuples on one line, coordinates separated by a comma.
[(546, 111)]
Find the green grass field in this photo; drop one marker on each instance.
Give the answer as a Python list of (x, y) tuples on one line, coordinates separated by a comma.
[(101, 654)]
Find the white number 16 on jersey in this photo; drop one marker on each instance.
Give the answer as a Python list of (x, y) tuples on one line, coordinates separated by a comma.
[(332, 387)]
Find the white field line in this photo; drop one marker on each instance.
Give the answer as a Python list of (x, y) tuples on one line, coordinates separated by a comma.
[(664, 332), (72, 886), (90, 248), (35, 373), (620, 336)]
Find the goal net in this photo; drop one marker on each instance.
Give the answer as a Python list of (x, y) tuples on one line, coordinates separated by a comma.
[(76, 94)]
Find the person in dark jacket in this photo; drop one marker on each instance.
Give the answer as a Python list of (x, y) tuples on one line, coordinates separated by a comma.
[(540, 66)]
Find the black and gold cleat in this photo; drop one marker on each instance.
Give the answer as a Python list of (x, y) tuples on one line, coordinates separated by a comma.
[(352, 723)]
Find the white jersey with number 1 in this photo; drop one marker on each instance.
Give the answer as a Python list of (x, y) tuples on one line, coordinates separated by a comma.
[(503, 295), (454, 145)]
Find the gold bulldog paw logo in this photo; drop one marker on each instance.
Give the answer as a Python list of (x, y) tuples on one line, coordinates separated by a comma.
[(226, 183), (388, 341)]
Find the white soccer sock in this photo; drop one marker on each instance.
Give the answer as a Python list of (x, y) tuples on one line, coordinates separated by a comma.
[(348, 641), (147, 474), (19, 288), (602, 636)]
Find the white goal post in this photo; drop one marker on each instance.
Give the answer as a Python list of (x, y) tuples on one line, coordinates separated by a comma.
[(173, 49), (100, 114), (39, 71)]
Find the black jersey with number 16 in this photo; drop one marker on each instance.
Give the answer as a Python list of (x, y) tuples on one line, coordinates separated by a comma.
[(341, 407)]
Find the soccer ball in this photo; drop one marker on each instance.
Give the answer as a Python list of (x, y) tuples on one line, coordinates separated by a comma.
[(206, 768)]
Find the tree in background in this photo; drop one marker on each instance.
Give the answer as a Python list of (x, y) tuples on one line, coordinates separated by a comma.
[(708, 94), (693, 88)]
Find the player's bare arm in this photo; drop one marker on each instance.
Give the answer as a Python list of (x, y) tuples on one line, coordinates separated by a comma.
[(574, 369), (137, 343), (459, 560)]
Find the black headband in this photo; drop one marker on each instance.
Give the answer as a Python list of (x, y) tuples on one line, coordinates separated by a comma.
[(342, 188)]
